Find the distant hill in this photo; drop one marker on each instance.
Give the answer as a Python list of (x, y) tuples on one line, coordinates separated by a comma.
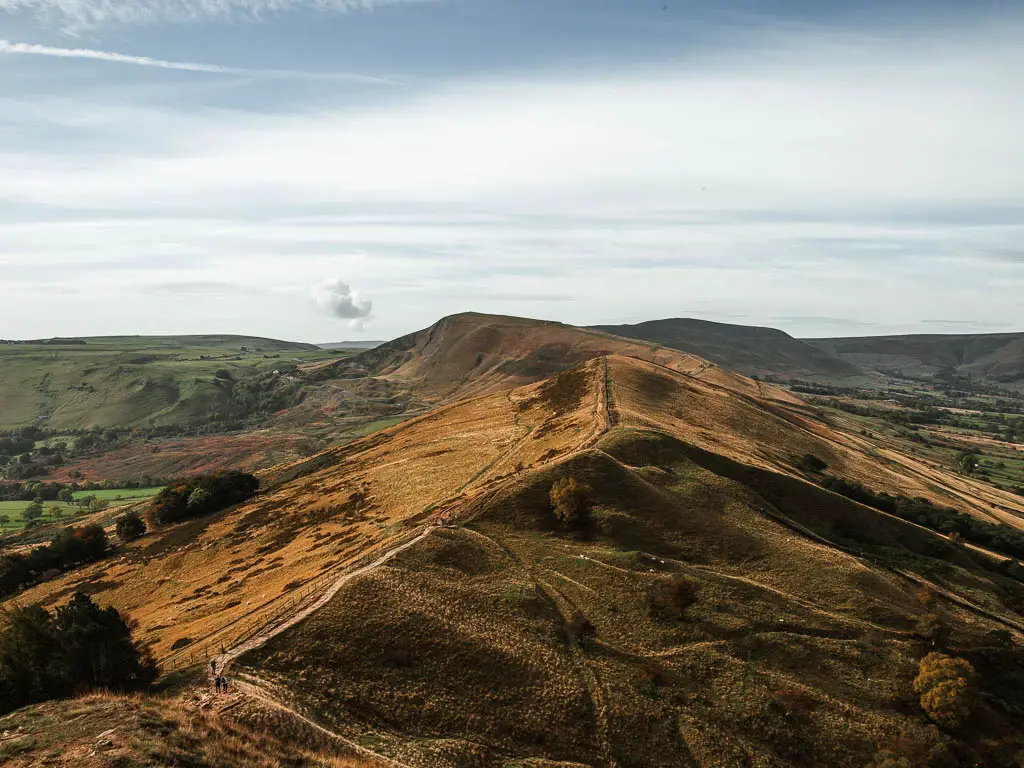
[(351, 344), (741, 348), (202, 341), (124, 381), (998, 357)]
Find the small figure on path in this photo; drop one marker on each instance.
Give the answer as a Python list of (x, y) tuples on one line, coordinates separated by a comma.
[(213, 667), (216, 683), (224, 684)]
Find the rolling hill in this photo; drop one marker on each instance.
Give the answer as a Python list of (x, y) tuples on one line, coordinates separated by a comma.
[(413, 594), (470, 354), (997, 357), (127, 381), (741, 348)]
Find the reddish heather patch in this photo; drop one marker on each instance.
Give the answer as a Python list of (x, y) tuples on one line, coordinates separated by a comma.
[(190, 455)]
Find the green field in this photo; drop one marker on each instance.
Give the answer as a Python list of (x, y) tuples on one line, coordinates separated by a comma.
[(15, 509), (128, 381), (125, 495)]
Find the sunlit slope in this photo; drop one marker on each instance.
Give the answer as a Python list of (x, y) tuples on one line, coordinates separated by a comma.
[(774, 435), (461, 652), (188, 583), (472, 354)]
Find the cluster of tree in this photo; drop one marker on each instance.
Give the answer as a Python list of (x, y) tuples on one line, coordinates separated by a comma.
[(201, 495), (77, 648), (69, 548), (996, 536), (16, 444)]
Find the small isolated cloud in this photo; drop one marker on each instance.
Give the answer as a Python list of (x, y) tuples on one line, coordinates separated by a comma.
[(336, 297)]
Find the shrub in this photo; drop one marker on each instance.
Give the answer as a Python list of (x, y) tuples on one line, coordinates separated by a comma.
[(946, 687), (570, 503), (671, 598), (811, 463), (916, 746), (130, 526)]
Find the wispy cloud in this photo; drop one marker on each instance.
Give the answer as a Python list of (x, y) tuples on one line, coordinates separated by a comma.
[(89, 13), (31, 49)]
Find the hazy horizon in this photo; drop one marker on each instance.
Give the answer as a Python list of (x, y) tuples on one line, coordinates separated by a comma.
[(367, 338)]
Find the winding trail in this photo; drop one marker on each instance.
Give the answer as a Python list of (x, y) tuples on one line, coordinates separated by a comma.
[(258, 690), (274, 629)]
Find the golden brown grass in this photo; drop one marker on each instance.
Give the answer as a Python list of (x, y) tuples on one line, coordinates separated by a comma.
[(102, 730)]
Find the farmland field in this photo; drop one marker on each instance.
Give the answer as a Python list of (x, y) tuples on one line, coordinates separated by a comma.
[(14, 510)]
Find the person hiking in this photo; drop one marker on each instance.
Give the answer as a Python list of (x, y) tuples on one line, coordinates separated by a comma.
[(216, 683), (224, 684), (213, 667)]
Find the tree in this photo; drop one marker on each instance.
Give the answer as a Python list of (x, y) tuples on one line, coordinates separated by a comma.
[(66, 495), (946, 687), (98, 505), (130, 526), (33, 511), (570, 503), (56, 511), (4, 521), (967, 461)]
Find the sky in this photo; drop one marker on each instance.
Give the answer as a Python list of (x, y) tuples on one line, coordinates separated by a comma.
[(325, 170)]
